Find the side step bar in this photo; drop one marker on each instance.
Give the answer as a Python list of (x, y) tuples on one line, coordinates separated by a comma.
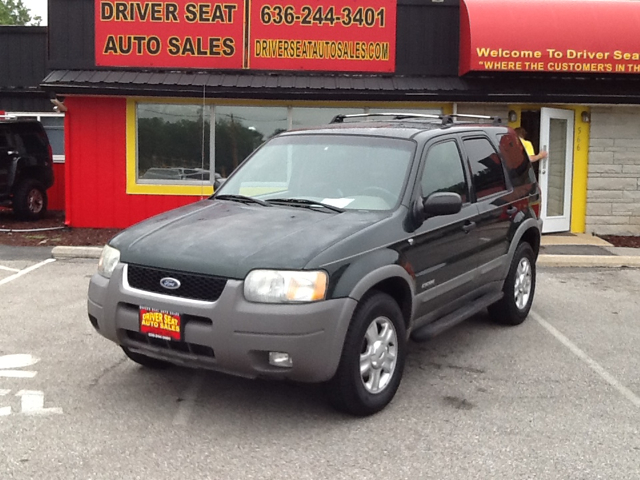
[(432, 329)]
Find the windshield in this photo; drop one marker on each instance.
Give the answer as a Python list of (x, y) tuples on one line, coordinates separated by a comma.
[(349, 172)]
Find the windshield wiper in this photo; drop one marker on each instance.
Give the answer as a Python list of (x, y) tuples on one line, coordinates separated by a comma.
[(303, 202), (242, 199)]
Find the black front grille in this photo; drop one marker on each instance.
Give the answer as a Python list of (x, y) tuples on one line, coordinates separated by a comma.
[(192, 285)]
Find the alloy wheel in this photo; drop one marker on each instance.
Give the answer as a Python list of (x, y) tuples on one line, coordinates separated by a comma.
[(35, 200), (522, 287), (379, 354)]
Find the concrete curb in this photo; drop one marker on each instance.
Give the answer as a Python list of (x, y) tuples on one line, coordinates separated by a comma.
[(593, 261), (76, 252)]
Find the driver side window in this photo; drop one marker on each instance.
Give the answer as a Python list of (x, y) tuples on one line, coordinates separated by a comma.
[(443, 171)]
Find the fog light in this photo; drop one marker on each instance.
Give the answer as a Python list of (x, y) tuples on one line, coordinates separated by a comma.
[(280, 359)]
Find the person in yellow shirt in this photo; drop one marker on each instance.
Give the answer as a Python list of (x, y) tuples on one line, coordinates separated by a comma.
[(528, 146)]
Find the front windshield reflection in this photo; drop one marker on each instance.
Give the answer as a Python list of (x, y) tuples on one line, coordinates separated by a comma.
[(349, 172)]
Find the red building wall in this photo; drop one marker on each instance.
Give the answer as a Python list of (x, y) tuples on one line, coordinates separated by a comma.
[(56, 192), (95, 173)]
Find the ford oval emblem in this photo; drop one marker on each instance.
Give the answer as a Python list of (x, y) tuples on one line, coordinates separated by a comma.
[(170, 283)]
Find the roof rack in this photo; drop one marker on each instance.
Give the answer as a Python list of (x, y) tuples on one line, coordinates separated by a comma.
[(448, 119)]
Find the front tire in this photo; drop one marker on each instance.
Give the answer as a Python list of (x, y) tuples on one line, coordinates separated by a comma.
[(146, 361), (30, 200), (519, 288), (372, 359)]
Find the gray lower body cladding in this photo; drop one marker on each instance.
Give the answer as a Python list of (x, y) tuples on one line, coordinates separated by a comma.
[(229, 335)]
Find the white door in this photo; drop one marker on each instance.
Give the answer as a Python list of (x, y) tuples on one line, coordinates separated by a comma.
[(556, 171)]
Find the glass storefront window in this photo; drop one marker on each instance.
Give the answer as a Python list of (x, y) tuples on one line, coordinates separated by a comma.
[(313, 116), (53, 124), (178, 145), (421, 111), (240, 130), (54, 127), (173, 143)]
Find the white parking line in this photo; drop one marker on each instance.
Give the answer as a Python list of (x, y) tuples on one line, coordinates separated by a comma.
[(9, 363), (188, 402), (595, 366), (4, 411), (17, 374), (26, 270), (32, 403), (9, 269)]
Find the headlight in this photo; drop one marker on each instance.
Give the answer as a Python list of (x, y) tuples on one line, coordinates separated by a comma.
[(108, 261), (281, 286)]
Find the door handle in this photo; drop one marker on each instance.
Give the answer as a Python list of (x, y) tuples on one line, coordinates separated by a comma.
[(467, 227), (511, 211), (545, 160)]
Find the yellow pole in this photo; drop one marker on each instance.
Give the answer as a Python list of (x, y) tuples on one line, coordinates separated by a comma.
[(580, 170)]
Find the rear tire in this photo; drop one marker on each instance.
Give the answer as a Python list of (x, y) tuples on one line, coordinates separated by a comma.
[(146, 361), (30, 200), (373, 357), (519, 288)]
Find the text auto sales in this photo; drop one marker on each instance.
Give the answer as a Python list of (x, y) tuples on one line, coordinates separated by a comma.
[(219, 13), (176, 46)]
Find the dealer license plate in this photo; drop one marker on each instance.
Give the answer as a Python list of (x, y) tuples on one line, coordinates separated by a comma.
[(160, 324)]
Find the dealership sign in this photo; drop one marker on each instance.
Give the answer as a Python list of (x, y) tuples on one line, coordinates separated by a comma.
[(340, 35), (563, 36)]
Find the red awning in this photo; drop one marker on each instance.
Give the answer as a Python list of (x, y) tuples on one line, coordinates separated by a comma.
[(561, 36)]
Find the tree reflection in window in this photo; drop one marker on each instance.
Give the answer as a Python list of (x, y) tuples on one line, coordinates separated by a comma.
[(173, 142), (240, 129)]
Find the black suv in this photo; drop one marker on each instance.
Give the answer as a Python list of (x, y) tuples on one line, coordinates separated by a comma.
[(26, 167), (326, 250)]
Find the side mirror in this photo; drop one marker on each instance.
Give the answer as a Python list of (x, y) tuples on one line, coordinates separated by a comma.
[(217, 181), (440, 203)]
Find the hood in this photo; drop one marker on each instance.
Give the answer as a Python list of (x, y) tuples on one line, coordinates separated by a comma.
[(229, 239)]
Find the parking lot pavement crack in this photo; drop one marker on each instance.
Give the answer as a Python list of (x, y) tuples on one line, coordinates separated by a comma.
[(458, 403), (105, 372), (440, 366)]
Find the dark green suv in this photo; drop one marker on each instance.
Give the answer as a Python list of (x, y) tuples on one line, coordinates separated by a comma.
[(326, 250), (26, 167)]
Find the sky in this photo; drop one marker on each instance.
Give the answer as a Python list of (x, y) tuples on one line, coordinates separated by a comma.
[(37, 7)]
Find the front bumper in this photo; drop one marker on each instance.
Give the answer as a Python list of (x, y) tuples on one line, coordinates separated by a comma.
[(229, 335)]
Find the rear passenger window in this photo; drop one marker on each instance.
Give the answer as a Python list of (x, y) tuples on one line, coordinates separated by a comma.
[(486, 167), (443, 171), (33, 142), (518, 166)]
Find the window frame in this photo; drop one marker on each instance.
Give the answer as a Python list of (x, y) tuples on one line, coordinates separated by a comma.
[(205, 188), (505, 175), (531, 176), (57, 158), (164, 187), (463, 166)]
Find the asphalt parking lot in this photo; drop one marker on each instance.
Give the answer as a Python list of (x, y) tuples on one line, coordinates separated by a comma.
[(556, 398)]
